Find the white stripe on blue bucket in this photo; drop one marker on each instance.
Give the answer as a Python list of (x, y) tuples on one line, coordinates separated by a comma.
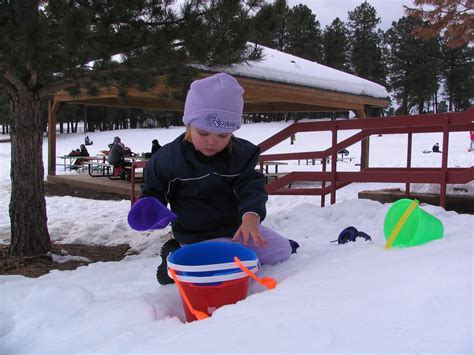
[(211, 262), (210, 267), (214, 278)]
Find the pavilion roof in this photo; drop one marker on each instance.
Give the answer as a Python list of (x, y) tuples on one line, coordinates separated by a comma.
[(280, 82)]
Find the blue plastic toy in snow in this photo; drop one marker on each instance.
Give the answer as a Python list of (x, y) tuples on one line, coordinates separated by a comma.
[(149, 213)]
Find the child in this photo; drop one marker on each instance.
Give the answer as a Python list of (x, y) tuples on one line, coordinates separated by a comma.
[(208, 177)]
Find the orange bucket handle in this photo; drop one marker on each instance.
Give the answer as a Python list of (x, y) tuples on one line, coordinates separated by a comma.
[(268, 282)]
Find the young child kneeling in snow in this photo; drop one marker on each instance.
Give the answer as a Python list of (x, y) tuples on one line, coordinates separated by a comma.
[(209, 179)]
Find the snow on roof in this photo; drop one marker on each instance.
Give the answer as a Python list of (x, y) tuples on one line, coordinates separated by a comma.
[(286, 68)]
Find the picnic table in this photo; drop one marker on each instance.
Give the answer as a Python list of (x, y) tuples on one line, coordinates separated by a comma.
[(267, 164), (104, 169), (68, 161), (313, 161), (340, 157), (100, 169), (265, 168), (135, 158)]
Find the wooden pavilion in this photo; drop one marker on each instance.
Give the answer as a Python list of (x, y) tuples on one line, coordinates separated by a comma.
[(279, 83)]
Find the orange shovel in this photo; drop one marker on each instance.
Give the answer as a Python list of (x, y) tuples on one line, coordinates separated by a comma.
[(198, 314), (266, 281)]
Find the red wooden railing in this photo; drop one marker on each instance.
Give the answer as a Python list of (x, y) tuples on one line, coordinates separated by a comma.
[(443, 122)]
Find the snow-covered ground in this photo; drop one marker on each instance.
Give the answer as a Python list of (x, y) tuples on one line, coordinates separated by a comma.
[(330, 298)]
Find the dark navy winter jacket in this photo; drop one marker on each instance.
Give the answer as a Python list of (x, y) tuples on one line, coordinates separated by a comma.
[(209, 195)]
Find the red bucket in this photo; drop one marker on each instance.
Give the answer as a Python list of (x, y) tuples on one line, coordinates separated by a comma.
[(209, 276), (208, 298)]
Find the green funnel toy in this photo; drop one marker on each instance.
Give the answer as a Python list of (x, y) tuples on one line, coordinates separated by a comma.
[(406, 225)]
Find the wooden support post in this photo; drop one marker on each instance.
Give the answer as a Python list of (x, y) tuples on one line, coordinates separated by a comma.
[(364, 151), (444, 165), (323, 183), (53, 107), (334, 165), (409, 147)]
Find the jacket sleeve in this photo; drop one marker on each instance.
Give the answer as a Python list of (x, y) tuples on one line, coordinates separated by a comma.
[(250, 188)]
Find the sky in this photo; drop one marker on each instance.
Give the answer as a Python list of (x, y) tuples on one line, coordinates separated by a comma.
[(327, 10), (330, 298)]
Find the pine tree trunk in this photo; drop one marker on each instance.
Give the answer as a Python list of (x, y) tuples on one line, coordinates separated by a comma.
[(29, 231)]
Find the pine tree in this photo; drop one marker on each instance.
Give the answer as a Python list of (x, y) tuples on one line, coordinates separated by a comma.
[(303, 37), (414, 65), (336, 46), (453, 19), (458, 76), (366, 44), (52, 45), (269, 25)]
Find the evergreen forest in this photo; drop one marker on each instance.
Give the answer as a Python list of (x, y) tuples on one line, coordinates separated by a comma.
[(422, 76)]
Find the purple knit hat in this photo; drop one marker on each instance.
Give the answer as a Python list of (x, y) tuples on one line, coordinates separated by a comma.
[(214, 104)]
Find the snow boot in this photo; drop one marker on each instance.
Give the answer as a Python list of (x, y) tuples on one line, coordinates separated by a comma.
[(162, 271)]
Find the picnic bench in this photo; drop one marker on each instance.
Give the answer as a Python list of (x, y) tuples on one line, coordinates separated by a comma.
[(265, 166), (340, 157), (69, 160), (313, 161), (345, 158), (96, 169), (265, 169)]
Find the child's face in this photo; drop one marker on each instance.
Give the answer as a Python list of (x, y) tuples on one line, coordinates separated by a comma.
[(209, 143)]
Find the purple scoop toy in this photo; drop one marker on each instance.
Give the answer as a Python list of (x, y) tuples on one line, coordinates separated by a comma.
[(149, 213)]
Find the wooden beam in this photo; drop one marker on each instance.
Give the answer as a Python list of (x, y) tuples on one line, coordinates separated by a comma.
[(294, 93), (132, 102), (53, 107), (250, 107), (107, 92), (365, 144)]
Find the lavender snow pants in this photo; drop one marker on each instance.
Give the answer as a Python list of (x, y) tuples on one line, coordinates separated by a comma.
[(278, 248)]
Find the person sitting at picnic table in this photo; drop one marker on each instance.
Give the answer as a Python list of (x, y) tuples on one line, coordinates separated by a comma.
[(79, 152), (154, 148), (117, 155)]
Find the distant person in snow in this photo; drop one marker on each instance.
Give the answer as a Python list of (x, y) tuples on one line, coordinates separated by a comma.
[(87, 141), (435, 148)]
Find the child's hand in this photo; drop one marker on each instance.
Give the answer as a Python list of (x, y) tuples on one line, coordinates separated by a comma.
[(249, 229)]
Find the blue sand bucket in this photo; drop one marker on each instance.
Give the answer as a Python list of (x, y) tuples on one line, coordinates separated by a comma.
[(210, 277), (149, 213)]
